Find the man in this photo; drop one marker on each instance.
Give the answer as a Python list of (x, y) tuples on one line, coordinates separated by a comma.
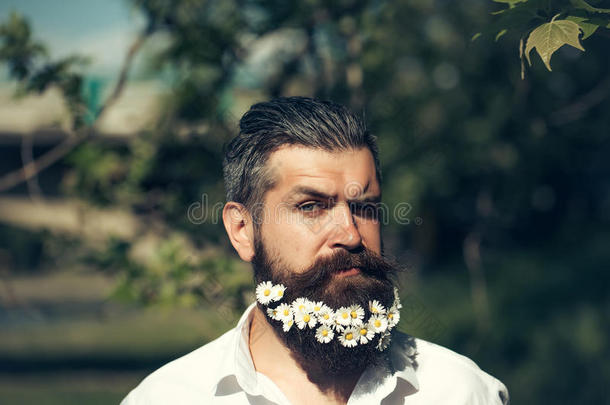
[(303, 194)]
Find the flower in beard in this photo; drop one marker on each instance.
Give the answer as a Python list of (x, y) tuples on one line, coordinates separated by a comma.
[(263, 292), (378, 323), (324, 334), (342, 316), (277, 292), (286, 325), (284, 313), (376, 308), (356, 314), (272, 313), (349, 336), (303, 319), (365, 334), (301, 305), (326, 316), (393, 317), (316, 308)]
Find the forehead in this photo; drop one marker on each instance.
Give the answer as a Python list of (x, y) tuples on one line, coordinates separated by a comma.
[(341, 172)]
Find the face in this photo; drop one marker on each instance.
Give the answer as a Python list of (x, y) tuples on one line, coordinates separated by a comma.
[(320, 238), (322, 202)]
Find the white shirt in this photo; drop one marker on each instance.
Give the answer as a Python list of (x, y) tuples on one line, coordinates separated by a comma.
[(222, 372)]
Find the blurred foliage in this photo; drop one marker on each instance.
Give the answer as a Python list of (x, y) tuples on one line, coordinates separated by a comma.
[(507, 178)]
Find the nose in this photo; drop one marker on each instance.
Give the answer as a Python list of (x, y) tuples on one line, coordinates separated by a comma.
[(343, 230)]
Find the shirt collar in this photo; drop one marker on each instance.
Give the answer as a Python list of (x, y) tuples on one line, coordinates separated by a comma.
[(237, 372)]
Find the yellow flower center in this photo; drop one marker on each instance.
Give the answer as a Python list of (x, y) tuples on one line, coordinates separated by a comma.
[(391, 316), (363, 331), (349, 336), (280, 292), (377, 323), (374, 310), (344, 315), (267, 292), (286, 312), (274, 312), (354, 314), (316, 308), (306, 318), (301, 307), (324, 332), (326, 316)]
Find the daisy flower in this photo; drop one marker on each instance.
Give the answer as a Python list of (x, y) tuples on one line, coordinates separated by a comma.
[(376, 308), (324, 334), (349, 337), (393, 317), (316, 307), (284, 312), (326, 315), (277, 292), (263, 292), (356, 313), (342, 316), (378, 323), (273, 314), (305, 319), (301, 305), (365, 334), (287, 325)]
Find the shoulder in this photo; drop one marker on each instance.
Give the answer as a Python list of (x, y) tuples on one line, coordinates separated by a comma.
[(447, 373), (188, 379)]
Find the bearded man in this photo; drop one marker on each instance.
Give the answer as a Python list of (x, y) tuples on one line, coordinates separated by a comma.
[(303, 185)]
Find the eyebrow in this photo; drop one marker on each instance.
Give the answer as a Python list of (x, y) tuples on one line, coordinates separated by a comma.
[(310, 191)]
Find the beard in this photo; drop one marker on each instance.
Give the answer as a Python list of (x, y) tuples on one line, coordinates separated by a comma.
[(327, 364)]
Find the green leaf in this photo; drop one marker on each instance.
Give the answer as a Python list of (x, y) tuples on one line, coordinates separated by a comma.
[(587, 28), (500, 34), (582, 4), (475, 36), (511, 3), (551, 36)]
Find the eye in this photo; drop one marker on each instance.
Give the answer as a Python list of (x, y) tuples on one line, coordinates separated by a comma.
[(311, 206)]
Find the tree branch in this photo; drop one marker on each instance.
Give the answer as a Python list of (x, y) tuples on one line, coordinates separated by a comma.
[(34, 167)]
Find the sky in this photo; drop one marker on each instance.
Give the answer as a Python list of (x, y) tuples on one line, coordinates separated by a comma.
[(101, 29)]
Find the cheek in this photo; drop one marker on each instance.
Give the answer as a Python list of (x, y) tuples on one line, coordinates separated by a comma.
[(371, 235)]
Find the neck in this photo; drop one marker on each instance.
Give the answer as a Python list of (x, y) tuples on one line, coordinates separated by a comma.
[(272, 358)]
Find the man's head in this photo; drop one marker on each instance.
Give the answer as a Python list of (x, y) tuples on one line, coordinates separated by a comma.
[(303, 189)]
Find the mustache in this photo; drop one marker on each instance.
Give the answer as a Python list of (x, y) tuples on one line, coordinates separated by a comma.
[(320, 274)]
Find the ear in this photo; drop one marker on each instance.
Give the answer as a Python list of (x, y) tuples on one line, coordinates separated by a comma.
[(239, 227)]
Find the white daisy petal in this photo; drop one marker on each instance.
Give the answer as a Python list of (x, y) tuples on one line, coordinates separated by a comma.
[(301, 305), (263, 292), (376, 308), (303, 319), (342, 316), (356, 314), (273, 313), (349, 337), (326, 316), (324, 334), (378, 323), (287, 325), (284, 312), (277, 292), (365, 334), (393, 317)]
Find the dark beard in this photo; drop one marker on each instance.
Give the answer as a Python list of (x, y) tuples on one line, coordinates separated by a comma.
[(328, 364)]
